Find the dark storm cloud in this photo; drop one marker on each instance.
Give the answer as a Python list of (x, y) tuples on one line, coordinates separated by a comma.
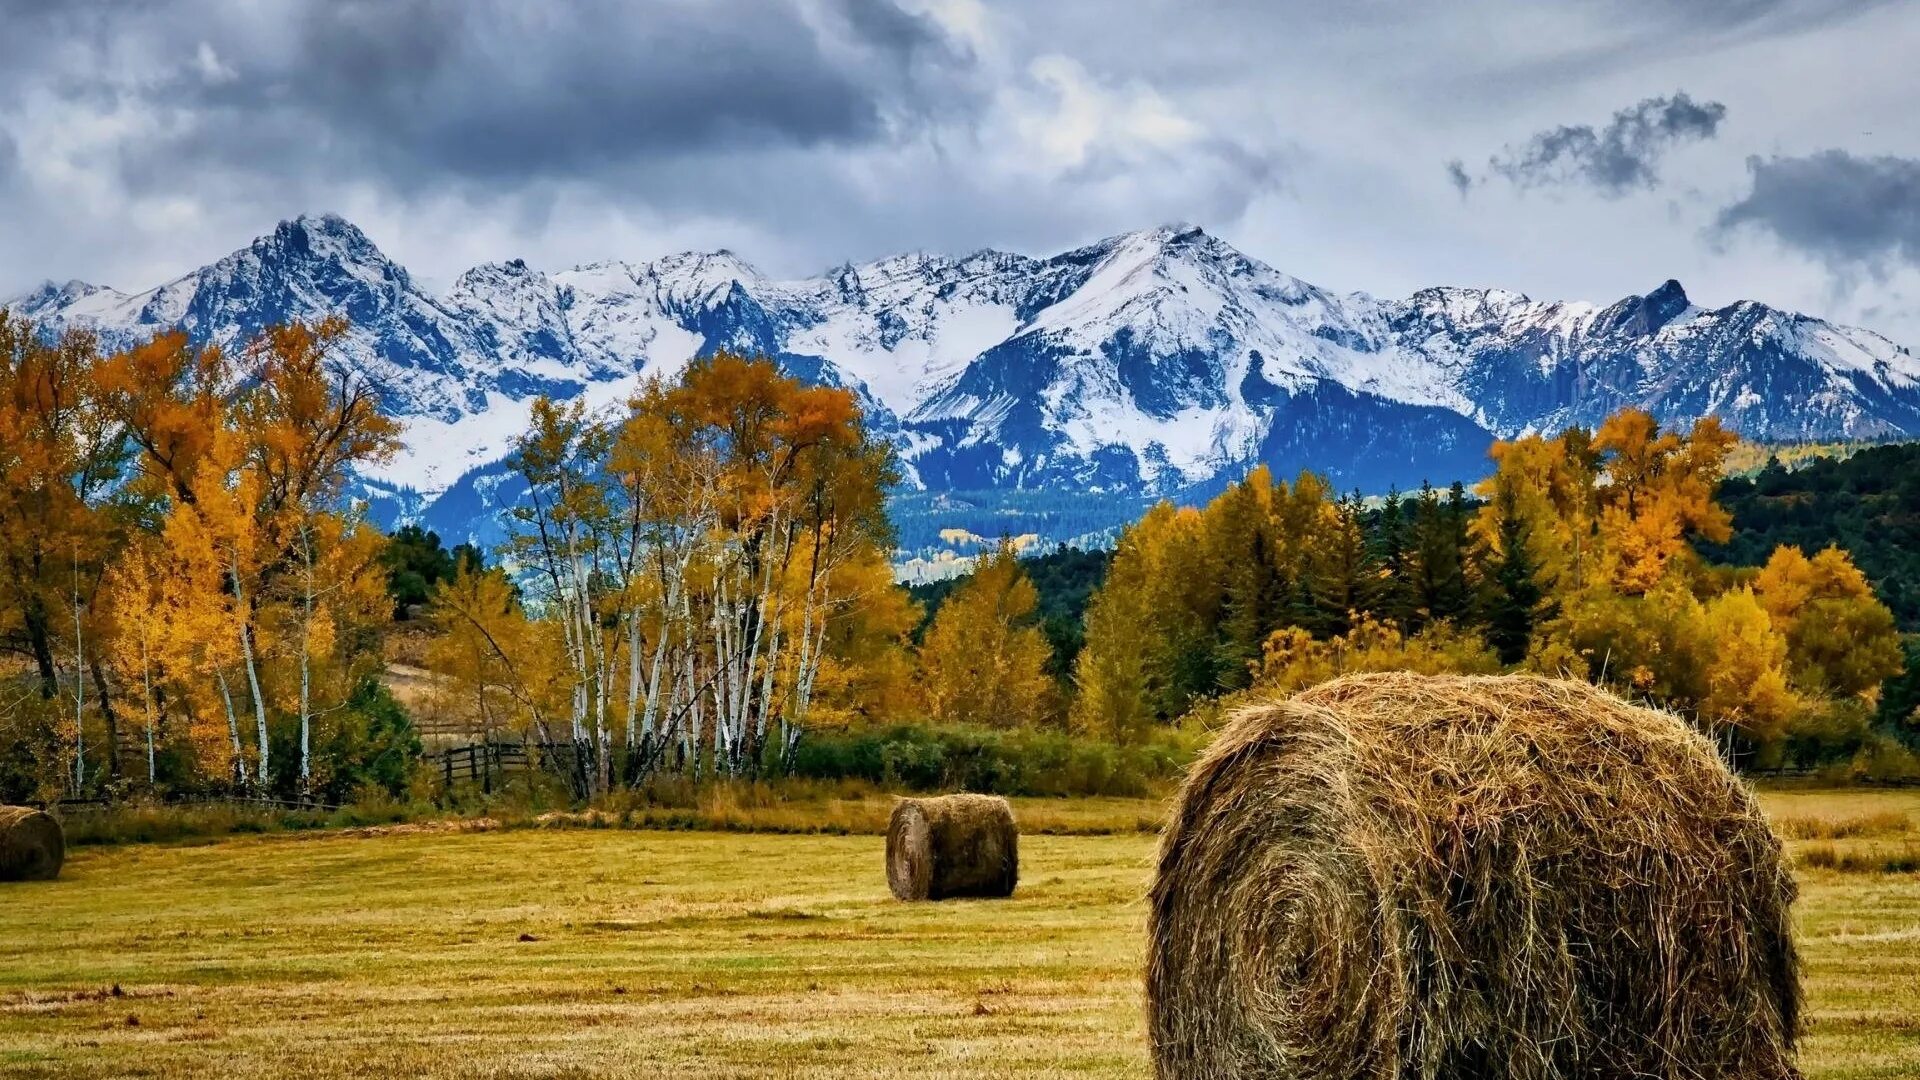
[(144, 137), (1620, 157), (1623, 35), (1851, 212), (1751, 18), (822, 129), (885, 25), (426, 92)]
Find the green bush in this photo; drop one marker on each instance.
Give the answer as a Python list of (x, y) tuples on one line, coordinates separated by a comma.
[(1884, 760), (369, 745), (1825, 732), (1040, 763), (147, 822), (33, 752)]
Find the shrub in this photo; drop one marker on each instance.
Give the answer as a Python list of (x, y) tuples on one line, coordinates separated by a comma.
[(368, 744), (1881, 759), (1042, 763)]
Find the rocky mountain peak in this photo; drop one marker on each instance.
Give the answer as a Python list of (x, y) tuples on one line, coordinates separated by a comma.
[(1150, 362)]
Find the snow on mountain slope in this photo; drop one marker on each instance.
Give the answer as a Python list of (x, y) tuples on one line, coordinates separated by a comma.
[(1769, 374), (1153, 362), (1173, 346)]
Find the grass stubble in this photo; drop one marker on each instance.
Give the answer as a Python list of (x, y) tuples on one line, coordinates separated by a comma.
[(574, 952)]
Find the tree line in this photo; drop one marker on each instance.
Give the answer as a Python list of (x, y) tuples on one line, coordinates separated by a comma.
[(176, 560), (1864, 499), (695, 581), (1580, 556), (687, 584)]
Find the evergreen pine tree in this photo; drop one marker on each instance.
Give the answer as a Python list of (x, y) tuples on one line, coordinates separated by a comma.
[(1344, 574), (1453, 594), (1393, 555), (1515, 600)]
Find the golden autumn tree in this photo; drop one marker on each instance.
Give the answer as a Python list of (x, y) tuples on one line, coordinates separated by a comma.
[(984, 662), (202, 652), (711, 566), (1613, 509), (1548, 487), (307, 422), (858, 669), (243, 467), (500, 669), (173, 399), (1659, 494), (1193, 594), (333, 603), (1114, 674), (1840, 638), (142, 606), (1745, 684), (59, 452)]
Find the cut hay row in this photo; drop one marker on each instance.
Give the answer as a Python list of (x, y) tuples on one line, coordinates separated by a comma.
[(1394, 876), (32, 847), (952, 846)]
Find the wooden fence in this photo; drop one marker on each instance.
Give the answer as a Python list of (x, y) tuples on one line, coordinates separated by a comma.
[(486, 763), (67, 807)]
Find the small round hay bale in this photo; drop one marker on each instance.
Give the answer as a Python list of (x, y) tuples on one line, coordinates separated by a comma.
[(954, 845), (32, 847), (1453, 878)]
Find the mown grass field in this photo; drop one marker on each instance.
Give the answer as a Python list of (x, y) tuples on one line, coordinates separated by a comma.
[(602, 952)]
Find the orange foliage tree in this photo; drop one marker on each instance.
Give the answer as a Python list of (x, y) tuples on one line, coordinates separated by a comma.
[(207, 552)]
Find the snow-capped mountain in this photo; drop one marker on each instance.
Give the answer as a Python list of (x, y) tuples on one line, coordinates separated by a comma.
[(1154, 362)]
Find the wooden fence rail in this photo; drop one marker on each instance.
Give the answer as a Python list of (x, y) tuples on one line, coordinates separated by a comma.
[(484, 762), (244, 802)]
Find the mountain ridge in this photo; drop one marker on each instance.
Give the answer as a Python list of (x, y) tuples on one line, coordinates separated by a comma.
[(1147, 363)]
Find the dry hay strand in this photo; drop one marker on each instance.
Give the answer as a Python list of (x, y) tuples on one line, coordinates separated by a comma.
[(953, 845), (32, 846), (1397, 876)]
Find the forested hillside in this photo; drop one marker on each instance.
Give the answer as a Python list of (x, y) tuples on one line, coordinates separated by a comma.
[(1064, 579), (1867, 503), (1584, 557), (194, 601)]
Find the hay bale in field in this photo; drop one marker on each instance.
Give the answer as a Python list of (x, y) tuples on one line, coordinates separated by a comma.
[(32, 847), (1396, 876), (954, 845)]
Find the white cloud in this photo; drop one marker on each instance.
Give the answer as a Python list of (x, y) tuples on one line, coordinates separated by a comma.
[(211, 67), (966, 21), (1066, 117)]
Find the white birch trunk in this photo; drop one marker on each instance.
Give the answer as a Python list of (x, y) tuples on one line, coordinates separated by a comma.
[(306, 669), (233, 727), (253, 672), (79, 689), (146, 692), (633, 680), (673, 597)]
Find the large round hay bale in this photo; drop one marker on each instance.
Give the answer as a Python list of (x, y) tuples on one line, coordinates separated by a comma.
[(32, 847), (1396, 876), (954, 845)]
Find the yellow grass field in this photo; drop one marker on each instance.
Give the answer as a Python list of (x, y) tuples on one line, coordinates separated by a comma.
[(598, 952)]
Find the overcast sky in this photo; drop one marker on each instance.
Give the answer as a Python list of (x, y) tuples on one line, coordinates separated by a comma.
[(1764, 149)]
